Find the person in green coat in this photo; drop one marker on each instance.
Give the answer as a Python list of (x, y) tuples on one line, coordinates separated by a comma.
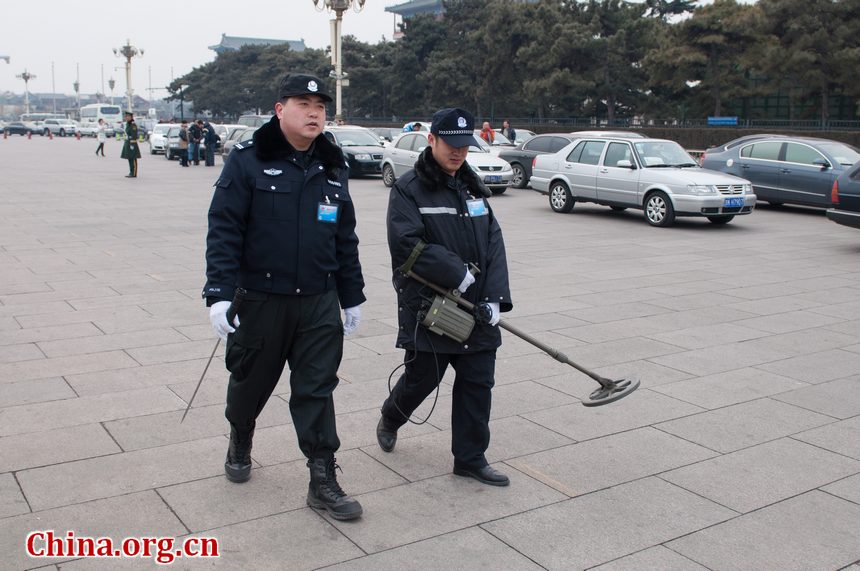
[(130, 149)]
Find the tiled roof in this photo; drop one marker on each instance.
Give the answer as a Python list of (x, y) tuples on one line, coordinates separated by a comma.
[(229, 43)]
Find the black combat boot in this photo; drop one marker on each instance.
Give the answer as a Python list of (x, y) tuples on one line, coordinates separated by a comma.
[(386, 434), (238, 463), (325, 493)]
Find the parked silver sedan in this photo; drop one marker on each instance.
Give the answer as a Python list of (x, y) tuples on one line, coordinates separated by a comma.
[(400, 157), (655, 175)]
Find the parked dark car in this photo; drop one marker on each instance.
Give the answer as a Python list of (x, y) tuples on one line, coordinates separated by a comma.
[(361, 148), (521, 158), (21, 128), (845, 197), (783, 169)]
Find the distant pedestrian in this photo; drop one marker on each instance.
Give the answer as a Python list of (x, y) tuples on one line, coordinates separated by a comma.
[(210, 138), (487, 133), (130, 149), (509, 131), (102, 137), (195, 135), (183, 144)]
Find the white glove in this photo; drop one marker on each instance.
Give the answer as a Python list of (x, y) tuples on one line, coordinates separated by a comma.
[(351, 319), (467, 281), (218, 318), (494, 320)]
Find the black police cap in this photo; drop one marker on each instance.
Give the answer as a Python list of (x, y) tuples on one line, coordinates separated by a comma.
[(455, 126), (295, 84)]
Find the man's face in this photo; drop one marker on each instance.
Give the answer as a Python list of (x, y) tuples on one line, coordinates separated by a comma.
[(485, 126), (302, 119), (505, 124), (449, 158)]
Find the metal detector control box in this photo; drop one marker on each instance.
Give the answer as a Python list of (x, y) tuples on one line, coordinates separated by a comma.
[(444, 317)]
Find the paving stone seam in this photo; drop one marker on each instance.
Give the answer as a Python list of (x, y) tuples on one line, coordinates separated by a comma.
[(687, 557), (171, 510), (836, 496), (68, 384), (764, 397), (110, 435), (378, 461), (39, 466), (836, 418)]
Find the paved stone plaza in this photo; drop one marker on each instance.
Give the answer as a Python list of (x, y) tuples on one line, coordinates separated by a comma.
[(741, 449)]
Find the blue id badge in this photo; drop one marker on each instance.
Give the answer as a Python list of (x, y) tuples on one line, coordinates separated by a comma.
[(477, 207), (327, 213)]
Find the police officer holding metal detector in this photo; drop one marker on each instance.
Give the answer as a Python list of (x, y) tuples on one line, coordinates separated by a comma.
[(282, 232), (441, 228)]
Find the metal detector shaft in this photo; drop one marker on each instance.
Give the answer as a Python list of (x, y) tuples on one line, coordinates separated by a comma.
[(554, 353), (231, 313)]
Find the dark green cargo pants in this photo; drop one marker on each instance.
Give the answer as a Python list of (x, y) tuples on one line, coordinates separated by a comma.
[(307, 333)]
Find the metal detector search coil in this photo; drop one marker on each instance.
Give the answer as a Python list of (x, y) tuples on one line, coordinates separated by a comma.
[(610, 390)]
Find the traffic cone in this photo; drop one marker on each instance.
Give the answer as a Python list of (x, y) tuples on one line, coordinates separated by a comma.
[(50, 134), (5, 134), (78, 135), (29, 134)]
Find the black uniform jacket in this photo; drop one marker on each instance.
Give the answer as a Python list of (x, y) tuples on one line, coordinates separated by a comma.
[(426, 204), (264, 228)]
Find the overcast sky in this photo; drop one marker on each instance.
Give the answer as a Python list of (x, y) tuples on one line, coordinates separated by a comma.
[(174, 34)]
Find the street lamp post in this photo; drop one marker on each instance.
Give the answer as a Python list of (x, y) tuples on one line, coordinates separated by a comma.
[(111, 84), (338, 7), (182, 86), (77, 86), (26, 76), (128, 51)]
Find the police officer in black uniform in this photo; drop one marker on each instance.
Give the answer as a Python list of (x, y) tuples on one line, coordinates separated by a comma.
[(439, 222), (282, 226)]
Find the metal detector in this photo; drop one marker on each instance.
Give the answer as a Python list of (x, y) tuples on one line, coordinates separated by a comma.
[(609, 391)]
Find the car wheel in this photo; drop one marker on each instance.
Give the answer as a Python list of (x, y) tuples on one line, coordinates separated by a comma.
[(659, 210), (519, 178), (719, 220), (618, 208), (774, 204), (62, 132), (388, 176), (46, 132), (151, 151), (498, 190), (560, 199)]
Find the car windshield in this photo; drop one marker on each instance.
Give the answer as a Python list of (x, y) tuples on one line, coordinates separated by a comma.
[(356, 139), (483, 148), (656, 154), (161, 129), (843, 154), (498, 138), (173, 132)]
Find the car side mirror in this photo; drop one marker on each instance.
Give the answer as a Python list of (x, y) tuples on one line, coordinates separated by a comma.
[(821, 163), (625, 164)]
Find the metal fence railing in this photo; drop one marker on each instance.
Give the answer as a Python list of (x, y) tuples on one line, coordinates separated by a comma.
[(581, 123)]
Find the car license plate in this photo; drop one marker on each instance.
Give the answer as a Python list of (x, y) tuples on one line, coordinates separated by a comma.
[(733, 202), (493, 178)]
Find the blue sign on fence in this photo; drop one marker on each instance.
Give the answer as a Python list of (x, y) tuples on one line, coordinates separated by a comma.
[(722, 120)]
